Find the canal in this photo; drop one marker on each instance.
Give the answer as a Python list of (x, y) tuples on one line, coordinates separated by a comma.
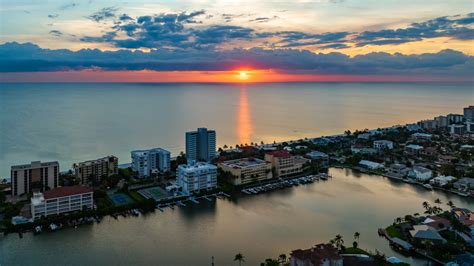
[(258, 226)]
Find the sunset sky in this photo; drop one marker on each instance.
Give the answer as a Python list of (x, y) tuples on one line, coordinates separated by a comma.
[(236, 41)]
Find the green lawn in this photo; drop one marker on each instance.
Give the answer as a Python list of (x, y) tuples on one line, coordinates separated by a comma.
[(136, 196), (393, 231), (352, 250)]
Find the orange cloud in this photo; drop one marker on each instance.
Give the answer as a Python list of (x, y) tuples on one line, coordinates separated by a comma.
[(241, 75)]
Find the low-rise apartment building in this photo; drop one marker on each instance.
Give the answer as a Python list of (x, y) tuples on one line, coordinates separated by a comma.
[(36, 176), (96, 169), (195, 177), (284, 163), (61, 200), (247, 170)]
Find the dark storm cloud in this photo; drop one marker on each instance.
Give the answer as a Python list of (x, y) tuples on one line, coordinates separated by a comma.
[(454, 27), (15, 57), (170, 31), (56, 33), (125, 17), (67, 6), (103, 14)]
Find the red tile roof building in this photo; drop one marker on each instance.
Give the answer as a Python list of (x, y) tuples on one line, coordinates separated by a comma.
[(319, 255), (61, 200)]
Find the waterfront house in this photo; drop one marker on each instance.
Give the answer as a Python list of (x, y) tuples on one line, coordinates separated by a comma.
[(319, 255), (464, 184), (370, 165), (425, 232), (420, 174), (197, 176), (96, 169), (247, 170), (438, 223), (383, 145), (442, 180), (413, 149), (398, 170), (61, 200), (284, 163), (465, 217)]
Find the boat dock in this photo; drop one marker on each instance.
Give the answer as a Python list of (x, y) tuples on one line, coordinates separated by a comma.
[(284, 183)]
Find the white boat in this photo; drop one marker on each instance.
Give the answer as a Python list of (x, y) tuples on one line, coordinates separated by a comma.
[(463, 194), (428, 186)]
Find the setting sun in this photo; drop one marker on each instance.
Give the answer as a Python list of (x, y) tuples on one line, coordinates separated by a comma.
[(244, 75)]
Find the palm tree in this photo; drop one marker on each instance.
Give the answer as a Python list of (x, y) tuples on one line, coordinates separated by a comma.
[(282, 258), (438, 201), (426, 206), (338, 241), (356, 237), (451, 204), (239, 257)]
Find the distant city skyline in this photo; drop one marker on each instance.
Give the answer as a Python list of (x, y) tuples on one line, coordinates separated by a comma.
[(238, 41)]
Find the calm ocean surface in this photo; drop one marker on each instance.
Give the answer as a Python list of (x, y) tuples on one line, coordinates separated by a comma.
[(76, 122)]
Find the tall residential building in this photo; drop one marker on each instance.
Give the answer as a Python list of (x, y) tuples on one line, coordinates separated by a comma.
[(247, 170), (441, 121), (201, 145), (153, 161), (469, 113), (194, 177), (455, 118), (61, 200), (96, 169), (34, 176)]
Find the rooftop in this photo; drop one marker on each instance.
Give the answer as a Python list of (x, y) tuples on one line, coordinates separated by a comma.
[(107, 158), (197, 166), (280, 153), (414, 147), (425, 232), (35, 164), (317, 154), (244, 163), (421, 169), (317, 254), (144, 152), (66, 191)]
